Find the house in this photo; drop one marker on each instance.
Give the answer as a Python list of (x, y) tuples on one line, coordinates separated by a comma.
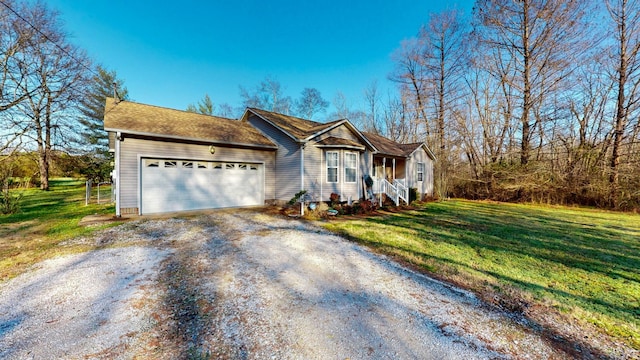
[(170, 160)]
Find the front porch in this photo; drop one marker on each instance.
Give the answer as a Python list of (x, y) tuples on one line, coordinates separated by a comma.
[(389, 178)]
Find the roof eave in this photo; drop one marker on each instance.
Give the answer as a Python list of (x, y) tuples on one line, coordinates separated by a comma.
[(426, 148), (352, 128), (328, 128), (175, 137), (296, 139), (362, 148)]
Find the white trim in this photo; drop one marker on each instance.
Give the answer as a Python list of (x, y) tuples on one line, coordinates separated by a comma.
[(426, 149), (116, 178), (351, 147), (202, 140), (418, 172), (337, 167), (322, 160), (302, 175), (344, 167), (393, 171)]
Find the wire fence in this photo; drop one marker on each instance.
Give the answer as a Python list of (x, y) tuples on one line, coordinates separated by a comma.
[(99, 193)]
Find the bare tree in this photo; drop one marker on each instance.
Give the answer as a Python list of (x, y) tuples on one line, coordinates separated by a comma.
[(310, 103), (372, 104), (410, 73), (268, 95), (625, 15), (444, 57), (12, 44), (539, 41), (55, 76)]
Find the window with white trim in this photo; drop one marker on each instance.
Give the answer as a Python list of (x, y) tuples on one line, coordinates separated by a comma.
[(350, 167), (332, 166), (420, 171)]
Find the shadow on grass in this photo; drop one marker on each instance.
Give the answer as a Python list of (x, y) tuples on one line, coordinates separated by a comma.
[(598, 261)]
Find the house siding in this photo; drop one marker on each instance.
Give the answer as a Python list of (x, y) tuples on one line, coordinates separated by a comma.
[(316, 174), (316, 167), (287, 159), (424, 187), (132, 149), (340, 132)]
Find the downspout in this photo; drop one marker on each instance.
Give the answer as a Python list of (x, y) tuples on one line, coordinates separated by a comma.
[(302, 176), (116, 178), (323, 155), (341, 166)]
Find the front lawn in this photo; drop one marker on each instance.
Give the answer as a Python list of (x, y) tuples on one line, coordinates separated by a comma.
[(46, 218), (580, 266)]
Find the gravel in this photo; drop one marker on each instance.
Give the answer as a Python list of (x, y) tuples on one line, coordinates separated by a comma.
[(245, 285)]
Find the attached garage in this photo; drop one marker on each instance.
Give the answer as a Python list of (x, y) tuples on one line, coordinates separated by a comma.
[(176, 185)]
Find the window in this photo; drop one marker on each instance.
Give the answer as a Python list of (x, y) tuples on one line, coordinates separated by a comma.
[(170, 164), (420, 171), (230, 166), (202, 165), (332, 167), (242, 166), (253, 167), (217, 165), (350, 166), (152, 163), (187, 164)]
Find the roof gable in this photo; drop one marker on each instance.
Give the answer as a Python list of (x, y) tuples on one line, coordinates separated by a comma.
[(140, 119), (302, 130), (297, 128)]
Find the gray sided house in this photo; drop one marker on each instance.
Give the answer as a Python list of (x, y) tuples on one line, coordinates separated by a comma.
[(170, 160)]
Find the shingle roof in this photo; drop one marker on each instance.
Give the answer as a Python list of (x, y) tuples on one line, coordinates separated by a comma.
[(334, 141), (389, 147), (141, 119), (408, 149), (299, 128), (385, 146)]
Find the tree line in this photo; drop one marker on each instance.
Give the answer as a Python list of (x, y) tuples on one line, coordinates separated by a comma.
[(531, 100)]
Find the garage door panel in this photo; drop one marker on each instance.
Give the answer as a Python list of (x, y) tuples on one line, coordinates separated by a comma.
[(192, 185)]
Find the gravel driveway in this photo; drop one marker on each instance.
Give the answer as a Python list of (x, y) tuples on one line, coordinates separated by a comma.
[(244, 285)]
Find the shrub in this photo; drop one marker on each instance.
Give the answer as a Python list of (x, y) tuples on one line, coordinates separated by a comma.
[(367, 207), (413, 195), (9, 203), (299, 195), (334, 199)]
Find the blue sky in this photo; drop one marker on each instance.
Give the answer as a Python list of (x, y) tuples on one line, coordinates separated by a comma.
[(170, 53)]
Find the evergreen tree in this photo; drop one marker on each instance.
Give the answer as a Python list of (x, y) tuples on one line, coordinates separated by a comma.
[(92, 110), (96, 162)]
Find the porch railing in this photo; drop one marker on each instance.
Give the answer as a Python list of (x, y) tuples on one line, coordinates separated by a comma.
[(396, 191)]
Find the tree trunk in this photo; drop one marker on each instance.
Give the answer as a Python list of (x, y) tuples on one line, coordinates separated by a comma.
[(525, 146), (621, 114)]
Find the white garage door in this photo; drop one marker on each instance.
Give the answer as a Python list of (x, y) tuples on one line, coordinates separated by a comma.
[(176, 185)]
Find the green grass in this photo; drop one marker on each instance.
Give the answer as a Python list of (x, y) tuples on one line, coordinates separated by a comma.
[(45, 219), (581, 265)]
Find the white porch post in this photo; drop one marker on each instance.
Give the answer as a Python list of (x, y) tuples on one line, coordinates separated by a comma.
[(384, 177), (384, 168), (406, 172)]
